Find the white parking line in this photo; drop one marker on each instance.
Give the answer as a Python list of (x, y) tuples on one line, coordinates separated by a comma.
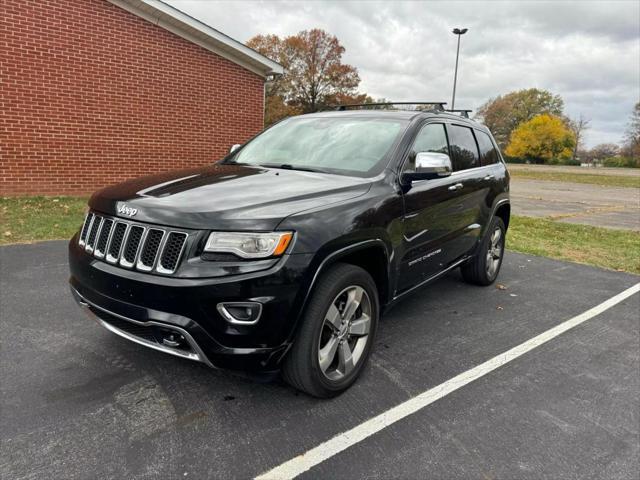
[(300, 464)]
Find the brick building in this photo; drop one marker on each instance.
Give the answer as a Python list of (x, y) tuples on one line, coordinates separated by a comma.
[(97, 91)]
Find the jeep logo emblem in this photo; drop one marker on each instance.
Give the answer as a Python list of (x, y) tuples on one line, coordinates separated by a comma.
[(124, 210)]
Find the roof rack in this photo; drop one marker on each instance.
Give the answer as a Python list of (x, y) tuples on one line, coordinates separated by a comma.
[(463, 113), (438, 105)]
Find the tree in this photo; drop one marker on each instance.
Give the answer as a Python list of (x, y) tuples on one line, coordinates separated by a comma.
[(578, 127), (382, 107), (543, 138), (632, 135), (504, 113), (603, 151), (276, 90), (347, 99), (315, 75)]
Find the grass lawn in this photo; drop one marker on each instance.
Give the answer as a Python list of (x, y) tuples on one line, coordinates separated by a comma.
[(590, 178), (30, 219), (602, 247)]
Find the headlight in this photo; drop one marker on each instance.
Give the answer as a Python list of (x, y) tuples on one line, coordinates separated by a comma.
[(249, 245)]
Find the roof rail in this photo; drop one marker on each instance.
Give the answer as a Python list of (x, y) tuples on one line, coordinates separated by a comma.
[(438, 105), (463, 113)]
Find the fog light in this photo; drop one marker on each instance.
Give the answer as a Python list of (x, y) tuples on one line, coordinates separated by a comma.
[(240, 313)]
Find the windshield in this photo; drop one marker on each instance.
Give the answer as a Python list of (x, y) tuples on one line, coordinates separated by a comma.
[(347, 146)]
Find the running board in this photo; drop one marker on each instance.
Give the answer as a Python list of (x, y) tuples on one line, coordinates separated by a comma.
[(431, 278)]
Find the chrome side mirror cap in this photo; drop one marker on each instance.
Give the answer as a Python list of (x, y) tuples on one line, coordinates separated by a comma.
[(434, 165), (429, 165), (234, 147)]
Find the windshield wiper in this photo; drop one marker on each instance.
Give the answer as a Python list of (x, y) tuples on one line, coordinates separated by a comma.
[(288, 166)]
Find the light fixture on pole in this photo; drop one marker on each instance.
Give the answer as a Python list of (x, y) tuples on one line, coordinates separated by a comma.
[(459, 32)]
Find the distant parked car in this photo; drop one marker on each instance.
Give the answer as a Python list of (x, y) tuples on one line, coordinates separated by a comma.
[(284, 255)]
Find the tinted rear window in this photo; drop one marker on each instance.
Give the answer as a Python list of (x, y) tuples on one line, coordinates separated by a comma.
[(464, 151), (488, 153)]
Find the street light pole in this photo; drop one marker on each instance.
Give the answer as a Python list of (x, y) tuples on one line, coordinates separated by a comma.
[(459, 32)]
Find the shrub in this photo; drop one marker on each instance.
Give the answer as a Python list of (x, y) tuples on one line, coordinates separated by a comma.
[(572, 162), (627, 162), (509, 159)]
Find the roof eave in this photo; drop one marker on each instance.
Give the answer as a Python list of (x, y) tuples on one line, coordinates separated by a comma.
[(193, 30)]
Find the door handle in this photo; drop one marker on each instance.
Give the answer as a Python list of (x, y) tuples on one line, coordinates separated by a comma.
[(455, 187), (488, 177)]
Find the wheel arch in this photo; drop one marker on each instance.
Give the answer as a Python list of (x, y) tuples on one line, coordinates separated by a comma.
[(374, 259), (503, 210), (372, 255)]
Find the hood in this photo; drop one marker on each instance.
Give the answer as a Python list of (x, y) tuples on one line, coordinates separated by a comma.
[(225, 196)]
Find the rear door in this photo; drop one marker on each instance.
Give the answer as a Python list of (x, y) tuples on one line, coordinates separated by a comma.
[(471, 180)]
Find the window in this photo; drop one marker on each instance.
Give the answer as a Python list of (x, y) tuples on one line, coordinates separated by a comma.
[(432, 138), (345, 145), (488, 153), (464, 151)]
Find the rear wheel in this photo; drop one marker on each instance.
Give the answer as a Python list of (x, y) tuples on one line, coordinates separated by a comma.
[(334, 341), (483, 269)]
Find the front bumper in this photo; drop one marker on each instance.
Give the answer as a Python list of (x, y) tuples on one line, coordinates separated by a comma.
[(147, 333), (140, 307)]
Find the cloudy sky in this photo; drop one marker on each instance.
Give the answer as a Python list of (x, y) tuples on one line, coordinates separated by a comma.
[(586, 51)]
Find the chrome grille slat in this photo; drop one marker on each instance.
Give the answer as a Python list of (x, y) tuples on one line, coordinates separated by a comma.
[(85, 228), (93, 233), (131, 246), (116, 241), (171, 252), (93, 218), (150, 249), (146, 248), (103, 238)]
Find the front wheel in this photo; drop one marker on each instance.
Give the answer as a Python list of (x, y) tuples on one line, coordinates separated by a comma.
[(335, 339), (484, 267)]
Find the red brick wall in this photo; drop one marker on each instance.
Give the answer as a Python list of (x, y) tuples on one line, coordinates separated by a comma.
[(92, 94)]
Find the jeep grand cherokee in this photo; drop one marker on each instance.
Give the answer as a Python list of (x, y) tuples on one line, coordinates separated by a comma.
[(284, 255)]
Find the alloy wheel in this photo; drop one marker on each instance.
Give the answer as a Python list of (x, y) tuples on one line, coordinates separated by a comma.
[(495, 252), (345, 333)]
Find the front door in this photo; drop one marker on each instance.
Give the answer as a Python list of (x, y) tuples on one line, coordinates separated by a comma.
[(431, 214), (443, 216)]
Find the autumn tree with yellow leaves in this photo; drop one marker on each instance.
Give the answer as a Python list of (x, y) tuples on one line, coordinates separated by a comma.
[(504, 113), (545, 138)]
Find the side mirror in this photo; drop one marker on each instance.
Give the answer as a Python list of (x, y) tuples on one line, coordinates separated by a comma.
[(429, 165), (234, 147)]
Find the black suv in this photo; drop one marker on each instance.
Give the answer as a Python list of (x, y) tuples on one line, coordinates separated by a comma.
[(284, 255)]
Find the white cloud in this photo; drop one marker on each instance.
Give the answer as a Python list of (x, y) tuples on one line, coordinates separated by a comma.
[(588, 52)]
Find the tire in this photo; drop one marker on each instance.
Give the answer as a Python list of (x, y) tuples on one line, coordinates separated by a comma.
[(484, 267), (330, 326)]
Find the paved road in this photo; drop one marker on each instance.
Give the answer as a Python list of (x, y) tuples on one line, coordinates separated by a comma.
[(78, 402), (613, 207), (622, 172)]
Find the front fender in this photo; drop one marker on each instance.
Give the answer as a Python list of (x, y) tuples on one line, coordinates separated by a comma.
[(324, 259)]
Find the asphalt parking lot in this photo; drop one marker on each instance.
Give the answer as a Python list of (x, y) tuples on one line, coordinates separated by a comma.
[(567, 202), (78, 402)]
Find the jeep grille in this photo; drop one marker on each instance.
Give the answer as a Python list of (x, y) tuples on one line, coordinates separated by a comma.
[(131, 245)]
